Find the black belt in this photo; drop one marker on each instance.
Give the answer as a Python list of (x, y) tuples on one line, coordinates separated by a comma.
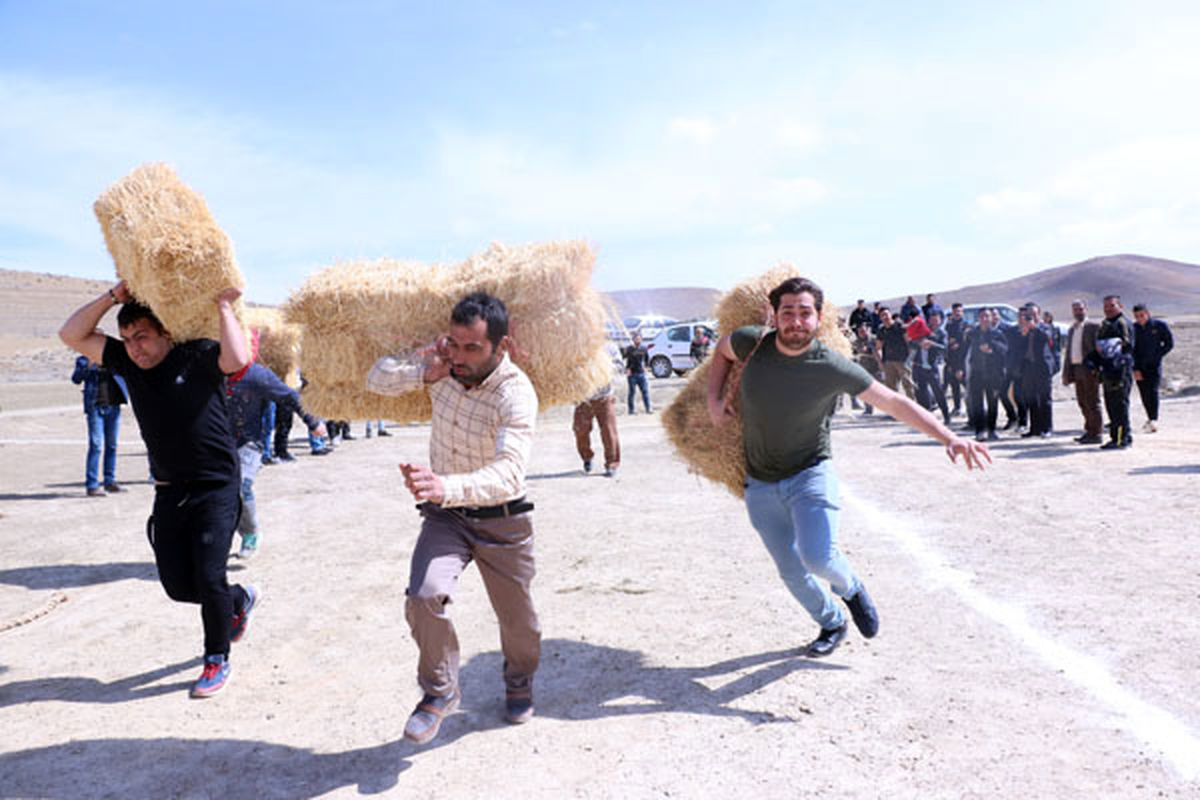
[(509, 509)]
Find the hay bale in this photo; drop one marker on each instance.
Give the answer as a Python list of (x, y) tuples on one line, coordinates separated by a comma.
[(278, 341), (168, 249), (717, 453), (354, 313)]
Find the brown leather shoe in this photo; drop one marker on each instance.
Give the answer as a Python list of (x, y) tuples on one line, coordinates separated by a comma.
[(96, 492), (427, 717)]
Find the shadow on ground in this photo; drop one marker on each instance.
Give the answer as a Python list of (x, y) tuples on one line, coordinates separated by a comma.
[(580, 681), (68, 576), (91, 690), (1167, 469)]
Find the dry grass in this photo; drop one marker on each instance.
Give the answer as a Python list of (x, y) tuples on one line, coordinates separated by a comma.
[(354, 313), (168, 249)]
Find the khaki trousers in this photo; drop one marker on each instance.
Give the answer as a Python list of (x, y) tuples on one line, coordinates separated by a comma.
[(604, 410), (897, 374), (503, 548), (1087, 394)]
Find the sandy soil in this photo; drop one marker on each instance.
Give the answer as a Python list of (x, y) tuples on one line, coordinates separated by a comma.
[(1040, 629)]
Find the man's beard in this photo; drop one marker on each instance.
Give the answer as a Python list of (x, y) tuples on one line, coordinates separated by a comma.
[(795, 339)]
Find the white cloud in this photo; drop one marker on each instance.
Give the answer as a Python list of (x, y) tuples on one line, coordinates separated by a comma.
[(1009, 201), (696, 130)]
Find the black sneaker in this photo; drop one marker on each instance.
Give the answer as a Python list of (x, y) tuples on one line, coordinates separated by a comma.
[(518, 710), (826, 642), (587, 466), (284, 457), (862, 610)]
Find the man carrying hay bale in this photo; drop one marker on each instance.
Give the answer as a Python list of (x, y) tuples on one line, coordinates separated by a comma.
[(178, 396), (788, 390), (472, 503)]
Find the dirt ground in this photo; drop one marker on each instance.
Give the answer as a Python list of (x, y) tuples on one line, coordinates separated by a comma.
[(1040, 632)]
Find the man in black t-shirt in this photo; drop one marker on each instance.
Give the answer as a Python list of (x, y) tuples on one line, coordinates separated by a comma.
[(177, 393), (636, 357), (788, 392)]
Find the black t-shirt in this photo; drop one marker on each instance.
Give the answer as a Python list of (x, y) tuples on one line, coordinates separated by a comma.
[(636, 358), (180, 408)]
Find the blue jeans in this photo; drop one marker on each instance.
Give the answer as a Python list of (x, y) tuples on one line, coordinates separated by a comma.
[(797, 520), (250, 456), (638, 381), (104, 424), (268, 427)]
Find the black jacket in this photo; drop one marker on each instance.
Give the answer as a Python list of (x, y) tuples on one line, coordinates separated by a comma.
[(1151, 342)]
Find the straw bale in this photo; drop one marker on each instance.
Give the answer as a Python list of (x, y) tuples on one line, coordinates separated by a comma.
[(168, 249), (354, 313), (278, 341), (714, 452)]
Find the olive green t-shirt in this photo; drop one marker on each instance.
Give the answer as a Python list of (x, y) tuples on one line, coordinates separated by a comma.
[(787, 402)]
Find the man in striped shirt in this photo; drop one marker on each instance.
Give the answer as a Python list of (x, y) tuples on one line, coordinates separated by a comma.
[(472, 502)]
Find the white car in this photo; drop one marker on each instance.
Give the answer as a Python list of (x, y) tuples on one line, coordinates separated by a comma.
[(671, 350)]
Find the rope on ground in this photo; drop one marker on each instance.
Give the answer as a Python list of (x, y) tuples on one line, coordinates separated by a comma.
[(56, 600)]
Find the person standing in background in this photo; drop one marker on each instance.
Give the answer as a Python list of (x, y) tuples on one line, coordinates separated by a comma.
[(102, 401)]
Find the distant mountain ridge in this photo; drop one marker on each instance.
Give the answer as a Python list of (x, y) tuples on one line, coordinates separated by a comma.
[(1167, 287), (688, 302)]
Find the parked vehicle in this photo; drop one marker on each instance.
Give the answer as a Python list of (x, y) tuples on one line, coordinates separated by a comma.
[(671, 350), (648, 325)]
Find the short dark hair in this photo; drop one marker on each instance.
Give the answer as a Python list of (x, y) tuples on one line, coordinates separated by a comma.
[(132, 311), (955, 305), (883, 309), (481, 305), (1116, 297), (1140, 307), (796, 286)]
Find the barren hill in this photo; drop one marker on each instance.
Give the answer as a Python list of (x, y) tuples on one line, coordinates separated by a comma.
[(1167, 287), (686, 302)]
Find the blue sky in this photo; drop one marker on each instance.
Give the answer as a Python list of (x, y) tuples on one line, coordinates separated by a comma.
[(883, 148)]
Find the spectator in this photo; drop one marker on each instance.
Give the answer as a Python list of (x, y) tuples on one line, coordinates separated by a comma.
[(1152, 340), (930, 308), (102, 401), (1114, 355), (928, 343), (984, 373), (867, 357), (893, 353), (1081, 340), (636, 359), (956, 331), (699, 347), (1038, 365), (861, 315), (909, 310)]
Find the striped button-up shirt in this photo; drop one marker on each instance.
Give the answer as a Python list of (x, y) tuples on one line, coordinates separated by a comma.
[(481, 436)]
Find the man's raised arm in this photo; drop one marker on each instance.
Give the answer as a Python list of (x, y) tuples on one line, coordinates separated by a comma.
[(235, 351), (79, 331)]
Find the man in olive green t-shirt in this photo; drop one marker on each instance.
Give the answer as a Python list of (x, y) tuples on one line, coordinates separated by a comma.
[(788, 393)]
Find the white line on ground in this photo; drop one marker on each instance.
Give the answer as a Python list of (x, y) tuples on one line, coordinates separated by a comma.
[(72, 442), (41, 412), (1153, 725)]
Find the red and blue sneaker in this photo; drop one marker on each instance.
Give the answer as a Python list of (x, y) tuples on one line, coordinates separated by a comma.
[(241, 620), (213, 678)]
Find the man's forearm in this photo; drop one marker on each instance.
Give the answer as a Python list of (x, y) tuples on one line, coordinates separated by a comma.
[(235, 352), (80, 325)]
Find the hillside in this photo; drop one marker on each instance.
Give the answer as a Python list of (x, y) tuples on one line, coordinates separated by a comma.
[(1168, 287), (680, 303)]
